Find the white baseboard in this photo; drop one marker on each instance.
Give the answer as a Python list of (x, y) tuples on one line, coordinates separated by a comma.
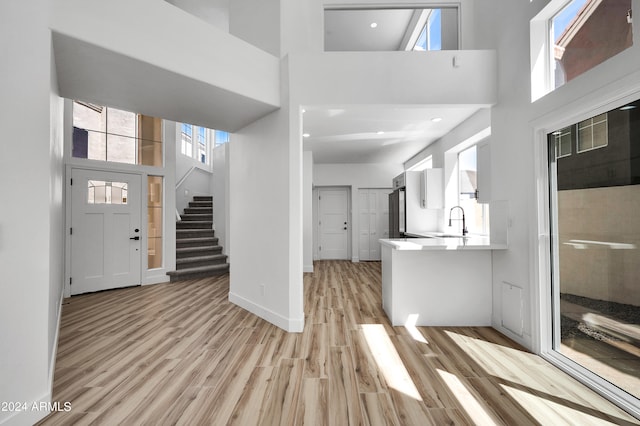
[(54, 350), (307, 268), (156, 279), (291, 325), (355, 259)]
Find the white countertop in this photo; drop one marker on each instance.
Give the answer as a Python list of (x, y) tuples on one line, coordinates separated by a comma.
[(440, 243)]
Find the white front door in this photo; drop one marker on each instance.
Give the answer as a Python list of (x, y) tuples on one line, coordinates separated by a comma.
[(105, 230), (333, 225)]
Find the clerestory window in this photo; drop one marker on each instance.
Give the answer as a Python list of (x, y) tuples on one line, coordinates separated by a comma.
[(113, 135), (568, 38)]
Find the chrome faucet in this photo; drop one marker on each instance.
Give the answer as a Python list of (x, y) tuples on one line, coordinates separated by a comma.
[(464, 226)]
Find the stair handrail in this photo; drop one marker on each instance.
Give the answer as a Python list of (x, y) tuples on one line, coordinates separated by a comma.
[(186, 175)]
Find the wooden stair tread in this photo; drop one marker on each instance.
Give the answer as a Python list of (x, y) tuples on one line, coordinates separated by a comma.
[(193, 259), (200, 248), (198, 239)]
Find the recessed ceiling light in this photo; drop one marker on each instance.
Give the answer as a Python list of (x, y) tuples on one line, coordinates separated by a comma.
[(305, 135), (627, 107), (374, 24), (436, 119), (380, 132), (304, 110)]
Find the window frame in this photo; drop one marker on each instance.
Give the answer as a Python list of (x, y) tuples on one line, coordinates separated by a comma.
[(484, 207), (591, 125), (558, 142), (542, 48), (197, 147), (109, 136)]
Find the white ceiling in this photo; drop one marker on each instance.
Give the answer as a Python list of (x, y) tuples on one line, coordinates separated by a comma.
[(351, 134)]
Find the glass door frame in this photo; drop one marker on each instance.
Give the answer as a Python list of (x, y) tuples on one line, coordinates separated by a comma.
[(546, 330)]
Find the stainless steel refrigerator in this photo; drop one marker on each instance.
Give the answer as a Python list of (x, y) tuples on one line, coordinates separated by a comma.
[(397, 214)]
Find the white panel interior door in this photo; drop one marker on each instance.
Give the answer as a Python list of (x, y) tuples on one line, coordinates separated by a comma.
[(333, 227), (373, 222), (364, 225), (105, 230)]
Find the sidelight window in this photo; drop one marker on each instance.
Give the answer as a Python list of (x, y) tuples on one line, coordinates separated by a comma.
[(154, 221)]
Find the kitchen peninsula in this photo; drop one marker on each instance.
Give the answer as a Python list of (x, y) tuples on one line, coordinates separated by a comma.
[(438, 281)]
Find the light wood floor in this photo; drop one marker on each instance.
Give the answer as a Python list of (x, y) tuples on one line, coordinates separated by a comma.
[(180, 353)]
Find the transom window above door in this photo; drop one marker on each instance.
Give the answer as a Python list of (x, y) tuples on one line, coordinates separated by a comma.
[(113, 135)]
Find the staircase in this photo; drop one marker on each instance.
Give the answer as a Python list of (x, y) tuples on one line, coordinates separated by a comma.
[(198, 254)]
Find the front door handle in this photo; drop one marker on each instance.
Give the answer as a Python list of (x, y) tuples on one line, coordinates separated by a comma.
[(135, 238)]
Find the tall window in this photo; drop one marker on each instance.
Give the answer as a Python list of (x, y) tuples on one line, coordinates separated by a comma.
[(196, 142), (109, 134), (477, 214), (221, 137), (187, 140), (202, 145)]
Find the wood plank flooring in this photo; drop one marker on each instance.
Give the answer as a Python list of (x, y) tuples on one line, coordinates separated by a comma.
[(180, 353)]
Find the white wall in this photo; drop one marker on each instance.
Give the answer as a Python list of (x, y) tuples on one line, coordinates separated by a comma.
[(346, 78), (265, 212), (161, 61), (220, 186), (247, 20), (195, 53), (513, 146), (56, 214), (215, 12), (355, 176), (30, 216)]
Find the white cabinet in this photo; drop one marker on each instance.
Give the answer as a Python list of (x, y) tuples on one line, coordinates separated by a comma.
[(484, 172), (431, 189)]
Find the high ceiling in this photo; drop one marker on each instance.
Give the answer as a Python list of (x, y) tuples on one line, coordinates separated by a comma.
[(377, 134), (350, 134)]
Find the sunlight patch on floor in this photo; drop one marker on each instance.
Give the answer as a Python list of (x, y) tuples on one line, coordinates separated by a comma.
[(497, 360), (389, 361), (466, 399), (549, 412), (410, 325)]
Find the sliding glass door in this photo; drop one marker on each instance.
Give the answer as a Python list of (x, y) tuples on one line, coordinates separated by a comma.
[(594, 177)]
